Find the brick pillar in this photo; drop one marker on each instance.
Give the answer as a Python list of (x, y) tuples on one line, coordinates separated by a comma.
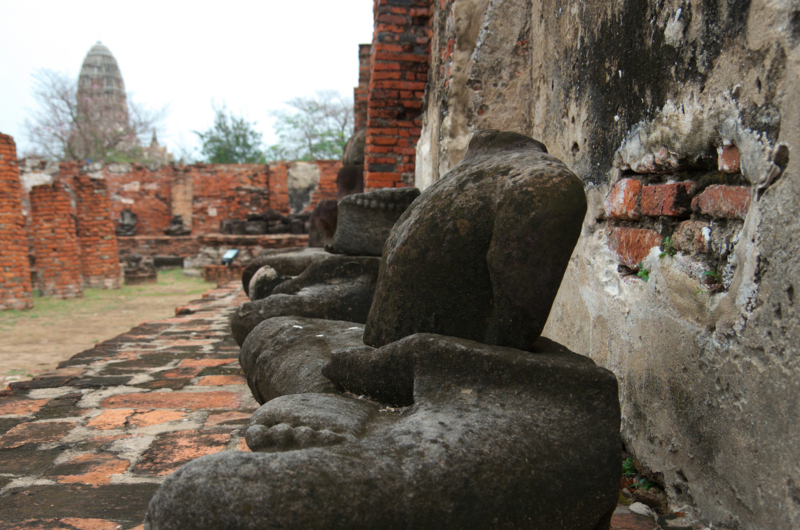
[(15, 272), (55, 245), (361, 92), (279, 187), (96, 236), (398, 75)]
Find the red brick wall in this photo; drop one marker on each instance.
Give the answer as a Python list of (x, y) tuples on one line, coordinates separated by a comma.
[(326, 187), (15, 274), (55, 245), (278, 187), (204, 194), (227, 191), (96, 236), (218, 191), (190, 246), (398, 75), (146, 193), (361, 92), (644, 209), (149, 246)]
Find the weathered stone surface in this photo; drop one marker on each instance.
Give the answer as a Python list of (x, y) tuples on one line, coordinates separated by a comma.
[(336, 288), (354, 150), (705, 380), (120, 502), (255, 227), (481, 253), (365, 220), (285, 355), (495, 439), (264, 282), (176, 227), (299, 421), (349, 180), (285, 262), (322, 224), (127, 223)]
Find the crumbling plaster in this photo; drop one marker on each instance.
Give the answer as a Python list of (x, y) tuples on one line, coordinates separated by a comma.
[(709, 383)]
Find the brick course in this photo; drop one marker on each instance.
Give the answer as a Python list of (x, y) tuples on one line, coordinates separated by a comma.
[(15, 274), (729, 159), (361, 92), (623, 201), (667, 199), (326, 187), (55, 243), (398, 73), (96, 237), (723, 202), (633, 209), (631, 245), (279, 187)]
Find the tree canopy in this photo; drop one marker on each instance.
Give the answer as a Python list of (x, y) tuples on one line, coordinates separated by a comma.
[(231, 140), (315, 128)]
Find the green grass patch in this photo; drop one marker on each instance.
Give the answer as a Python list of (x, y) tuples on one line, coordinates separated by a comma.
[(170, 282)]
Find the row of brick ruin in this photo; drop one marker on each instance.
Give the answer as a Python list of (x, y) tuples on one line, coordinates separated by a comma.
[(59, 236), (73, 247)]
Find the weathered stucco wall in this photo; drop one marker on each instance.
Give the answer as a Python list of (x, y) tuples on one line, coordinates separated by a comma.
[(651, 91)]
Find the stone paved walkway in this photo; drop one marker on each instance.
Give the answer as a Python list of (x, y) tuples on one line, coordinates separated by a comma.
[(85, 446)]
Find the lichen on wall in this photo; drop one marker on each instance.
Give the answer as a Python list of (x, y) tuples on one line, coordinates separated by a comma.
[(697, 103)]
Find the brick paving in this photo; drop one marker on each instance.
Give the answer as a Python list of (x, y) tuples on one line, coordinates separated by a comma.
[(85, 446)]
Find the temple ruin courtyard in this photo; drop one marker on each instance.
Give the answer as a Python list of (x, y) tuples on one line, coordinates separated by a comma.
[(84, 446)]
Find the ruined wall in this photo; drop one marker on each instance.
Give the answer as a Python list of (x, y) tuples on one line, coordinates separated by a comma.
[(681, 118), (203, 194), (55, 244), (96, 238), (15, 274), (227, 191), (361, 92), (398, 73)]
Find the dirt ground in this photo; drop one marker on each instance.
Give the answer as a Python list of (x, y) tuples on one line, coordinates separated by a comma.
[(35, 341)]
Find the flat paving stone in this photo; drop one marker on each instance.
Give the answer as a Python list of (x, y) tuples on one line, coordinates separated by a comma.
[(81, 448), (118, 502), (27, 460), (176, 400), (174, 449), (32, 433), (89, 468)]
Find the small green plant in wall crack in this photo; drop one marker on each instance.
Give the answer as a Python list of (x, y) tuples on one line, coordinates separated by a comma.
[(667, 248), (712, 283), (628, 467), (643, 273)]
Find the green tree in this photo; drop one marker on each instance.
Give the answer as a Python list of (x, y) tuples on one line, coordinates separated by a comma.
[(316, 128), (232, 140)]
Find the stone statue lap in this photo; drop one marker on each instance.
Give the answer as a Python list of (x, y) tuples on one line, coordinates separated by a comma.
[(450, 411)]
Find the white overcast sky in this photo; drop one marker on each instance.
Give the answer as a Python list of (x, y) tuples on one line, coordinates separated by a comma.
[(252, 56)]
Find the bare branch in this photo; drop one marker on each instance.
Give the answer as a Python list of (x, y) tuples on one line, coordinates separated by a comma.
[(89, 125)]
